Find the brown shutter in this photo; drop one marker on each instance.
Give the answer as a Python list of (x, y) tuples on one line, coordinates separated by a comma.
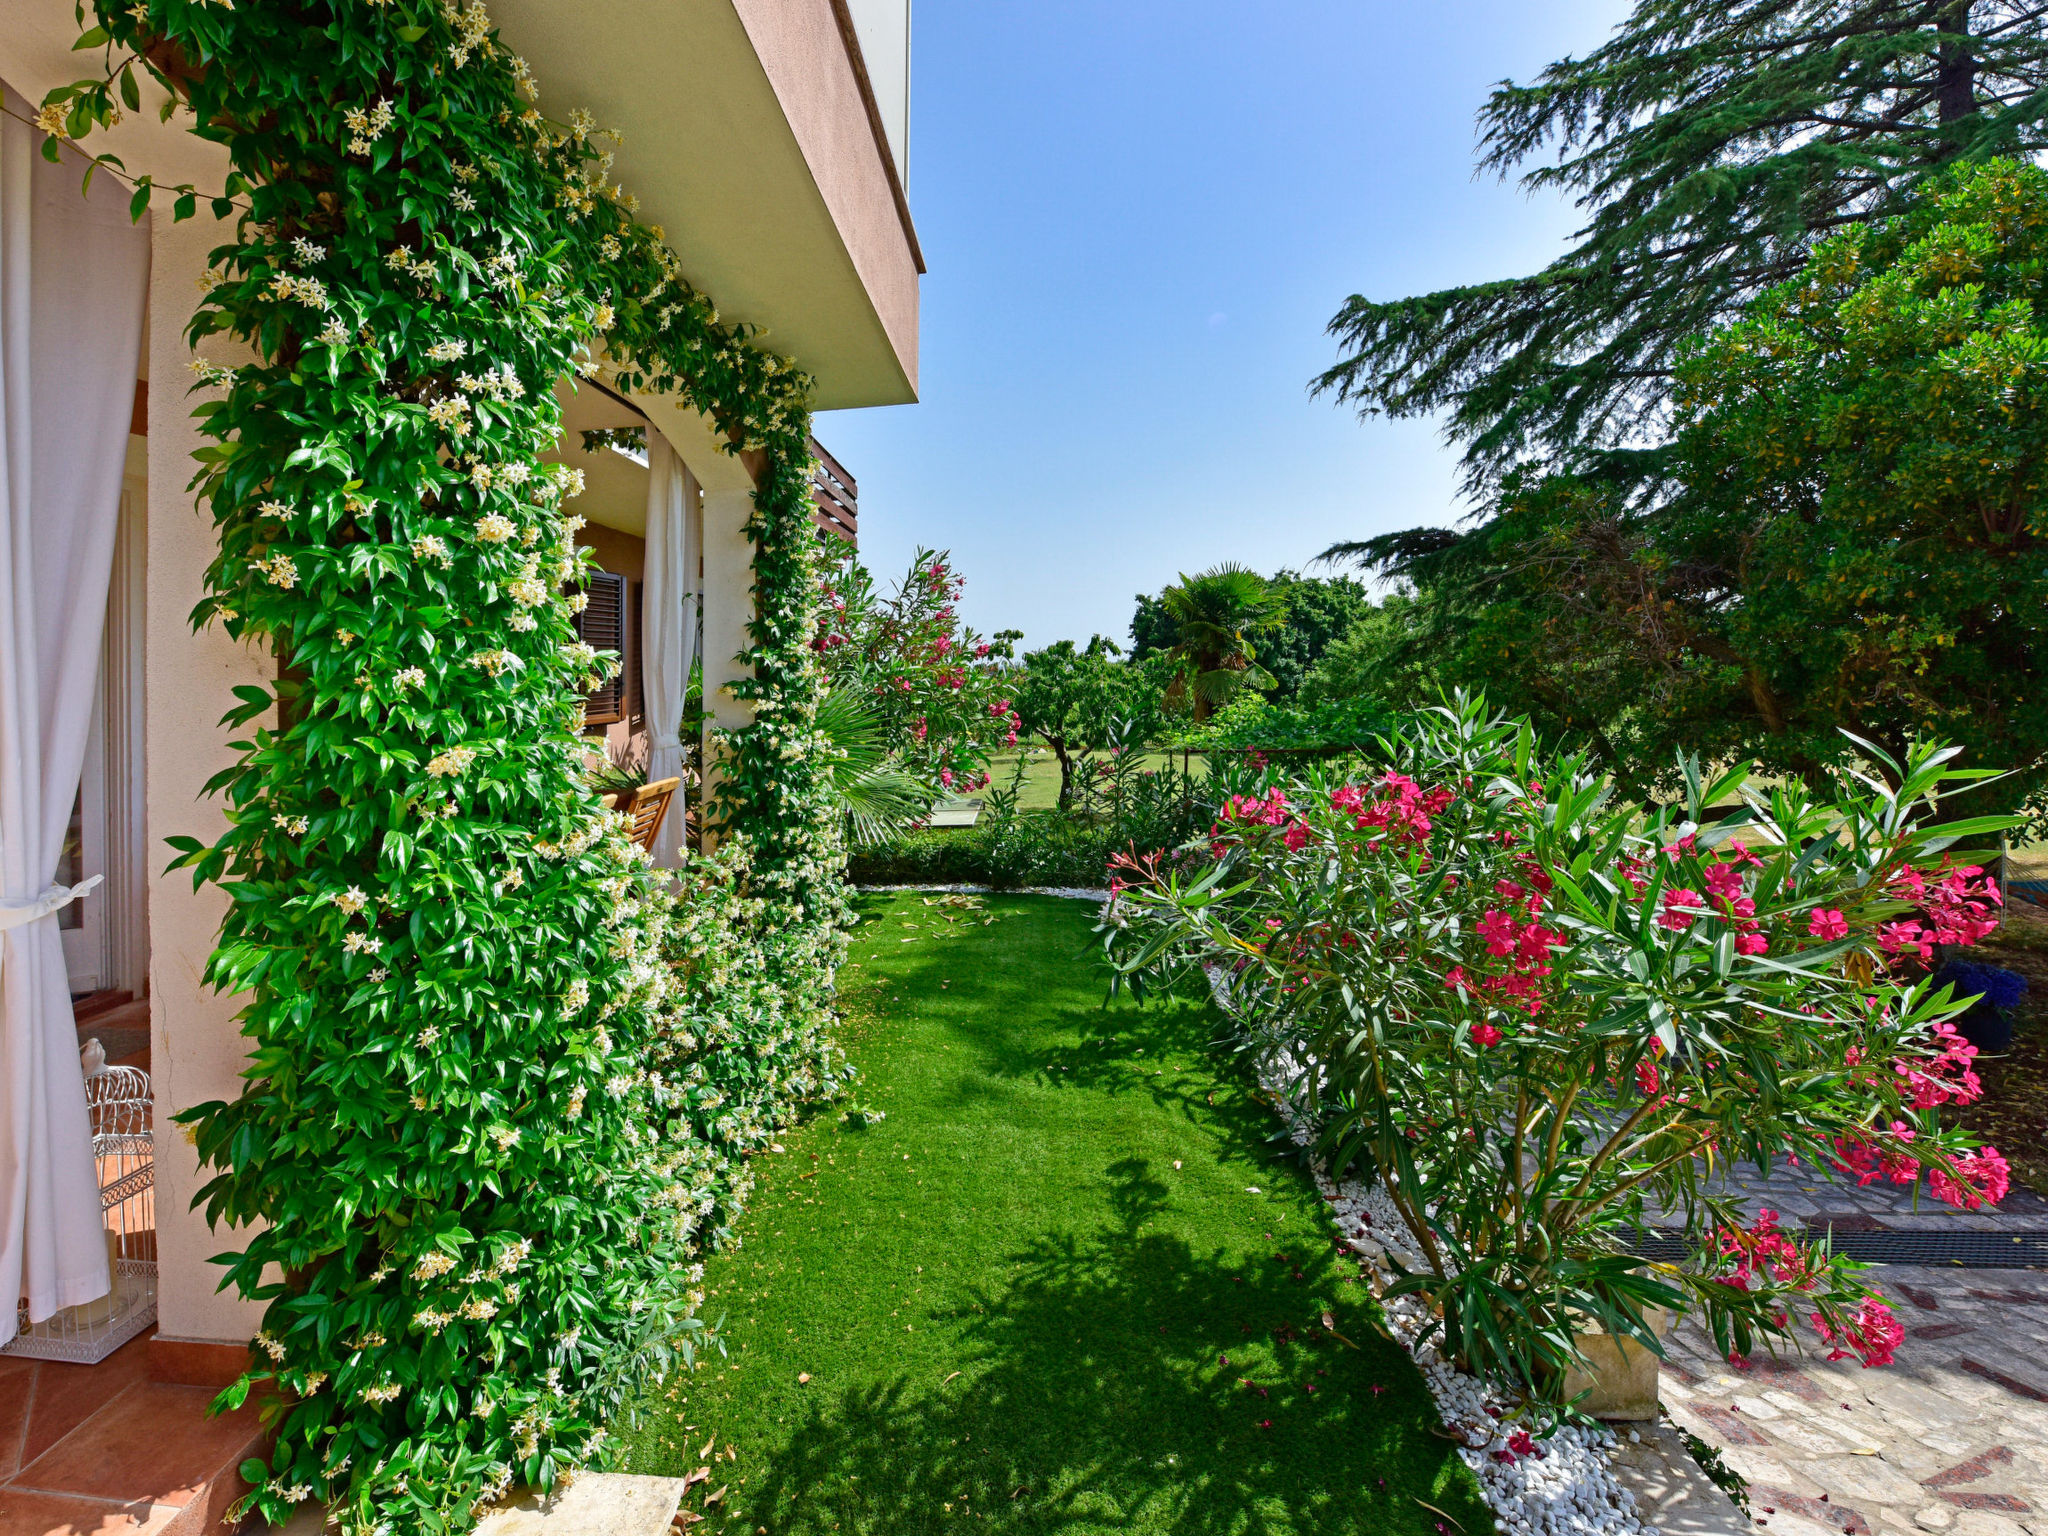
[(636, 621), (602, 624)]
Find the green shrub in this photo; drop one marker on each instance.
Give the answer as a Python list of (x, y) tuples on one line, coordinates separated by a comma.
[(1534, 1011)]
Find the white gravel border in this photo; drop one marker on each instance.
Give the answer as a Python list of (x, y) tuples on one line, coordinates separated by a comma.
[(1569, 1487)]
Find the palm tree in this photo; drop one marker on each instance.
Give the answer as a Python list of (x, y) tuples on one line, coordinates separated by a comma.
[(876, 796), (1215, 614)]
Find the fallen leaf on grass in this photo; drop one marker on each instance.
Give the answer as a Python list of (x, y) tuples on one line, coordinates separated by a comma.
[(704, 1451), (1330, 1324), (802, 1377), (1435, 1511), (949, 1378), (700, 1475), (713, 1498)]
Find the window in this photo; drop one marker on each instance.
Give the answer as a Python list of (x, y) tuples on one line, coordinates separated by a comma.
[(602, 624)]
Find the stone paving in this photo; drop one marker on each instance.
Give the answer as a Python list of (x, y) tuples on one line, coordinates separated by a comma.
[(1952, 1436), (1802, 1198)]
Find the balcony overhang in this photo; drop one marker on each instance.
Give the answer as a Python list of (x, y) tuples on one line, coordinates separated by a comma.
[(749, 138)]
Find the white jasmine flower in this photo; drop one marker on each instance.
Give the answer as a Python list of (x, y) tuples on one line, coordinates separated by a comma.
[(450, 762), (278, 570), (430, 547), (447, 351), (411, 677), (351, 901)]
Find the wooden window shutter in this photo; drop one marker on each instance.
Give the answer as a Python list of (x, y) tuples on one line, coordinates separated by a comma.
[(602, 624), (636, 622)]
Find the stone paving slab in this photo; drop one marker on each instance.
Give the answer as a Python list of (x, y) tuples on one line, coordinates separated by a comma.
[(1670, 1490), (1951, 1437), (1809, 1197)]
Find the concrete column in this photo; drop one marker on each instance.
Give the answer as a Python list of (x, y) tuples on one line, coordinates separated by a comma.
[(196, 1050), (728, 609)]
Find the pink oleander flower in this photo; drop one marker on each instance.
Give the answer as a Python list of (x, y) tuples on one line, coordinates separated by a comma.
[(1297, 836), (1679, 910), (1499, 930), (1485, 1034), (1724, 881), (1986, 1176), (1873, 1335), (1825, 924)]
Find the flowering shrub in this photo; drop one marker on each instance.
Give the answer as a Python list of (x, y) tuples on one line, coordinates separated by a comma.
[(494, 1109), (936, 684), (1540, 1016)]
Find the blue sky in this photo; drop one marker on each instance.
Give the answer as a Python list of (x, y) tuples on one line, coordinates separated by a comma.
[(1138, 217)]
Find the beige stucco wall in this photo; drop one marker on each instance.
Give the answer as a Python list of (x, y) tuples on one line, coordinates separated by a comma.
[(196, 1048)]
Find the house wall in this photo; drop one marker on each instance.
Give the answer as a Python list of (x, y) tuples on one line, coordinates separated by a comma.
[(196, 1046)]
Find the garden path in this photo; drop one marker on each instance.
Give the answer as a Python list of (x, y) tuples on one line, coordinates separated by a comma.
[(1951, 1437)]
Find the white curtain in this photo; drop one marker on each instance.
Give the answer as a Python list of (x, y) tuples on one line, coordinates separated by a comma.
[(668, 641), (74, 274)]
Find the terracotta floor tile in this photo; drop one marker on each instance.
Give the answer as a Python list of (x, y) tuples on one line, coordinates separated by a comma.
[(17, 1387), (67, 1395), (38, 1514), (153, 1442)]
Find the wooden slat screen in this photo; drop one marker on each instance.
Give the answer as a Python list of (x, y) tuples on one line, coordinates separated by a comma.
[(835, 497), (602, 623)]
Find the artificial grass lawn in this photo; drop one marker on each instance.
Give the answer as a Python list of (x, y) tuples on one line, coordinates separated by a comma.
[(1014, 1297)]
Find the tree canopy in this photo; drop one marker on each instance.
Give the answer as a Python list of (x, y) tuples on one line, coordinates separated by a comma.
[(1317, 612), (1710, 143), (1848, 528)]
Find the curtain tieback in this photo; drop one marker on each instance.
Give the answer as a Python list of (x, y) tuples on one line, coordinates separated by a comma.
[(16, 914)]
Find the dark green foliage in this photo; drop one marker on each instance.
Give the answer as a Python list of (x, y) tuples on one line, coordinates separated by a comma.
[(1251, 724), (1319, 610), (1709, 142), (1848, 529), (494, 1099), (1039, 1290)]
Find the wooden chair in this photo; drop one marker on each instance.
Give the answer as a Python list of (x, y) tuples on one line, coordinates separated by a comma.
[(648, 807)]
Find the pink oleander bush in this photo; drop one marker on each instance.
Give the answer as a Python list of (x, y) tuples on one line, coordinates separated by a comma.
[(937, 686), (1543, 1016)]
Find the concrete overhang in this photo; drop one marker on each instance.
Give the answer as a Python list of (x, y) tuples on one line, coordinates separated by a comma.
[(749, 137)]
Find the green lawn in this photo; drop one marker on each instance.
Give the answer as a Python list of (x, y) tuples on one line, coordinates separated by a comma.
[(1041, 787), (1015, 1297)]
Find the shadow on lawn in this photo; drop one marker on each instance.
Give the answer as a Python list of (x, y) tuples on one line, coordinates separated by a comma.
[(1091, 1397)]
